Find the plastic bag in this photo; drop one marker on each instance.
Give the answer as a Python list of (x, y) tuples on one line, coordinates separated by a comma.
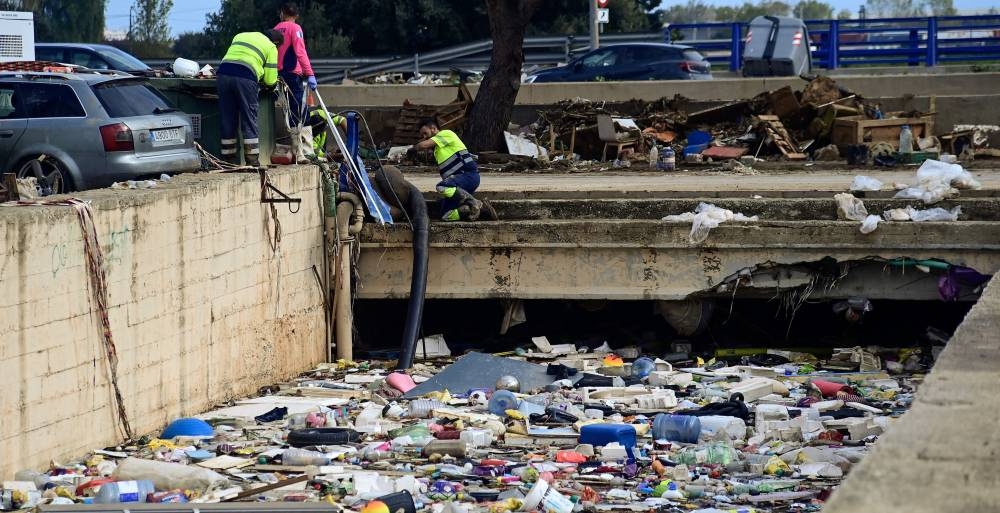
[(870, 224), (849, 207), (896, 214), (705, 217), (865, 183), (937, 181), (934, 214), (168, 476), (952, 174)]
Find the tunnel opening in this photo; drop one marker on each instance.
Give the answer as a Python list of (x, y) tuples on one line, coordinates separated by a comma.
[(726, 329)]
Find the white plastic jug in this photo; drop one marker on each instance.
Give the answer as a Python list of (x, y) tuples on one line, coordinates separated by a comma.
[(185, 68)]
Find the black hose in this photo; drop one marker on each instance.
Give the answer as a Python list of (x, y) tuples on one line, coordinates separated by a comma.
[(418, 279), (407, 197)]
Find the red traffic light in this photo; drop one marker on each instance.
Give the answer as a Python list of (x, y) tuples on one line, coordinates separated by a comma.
[(602, 4)]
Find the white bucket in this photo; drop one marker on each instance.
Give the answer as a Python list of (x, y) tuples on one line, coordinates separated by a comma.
[(185, 68)]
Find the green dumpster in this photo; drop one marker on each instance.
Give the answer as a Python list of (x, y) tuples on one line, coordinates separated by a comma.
[(198, 98)]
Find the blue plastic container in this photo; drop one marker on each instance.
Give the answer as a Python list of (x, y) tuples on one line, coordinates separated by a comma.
[(603, 434), (642, 367), (676, 428), (502, 401), (187, 427)]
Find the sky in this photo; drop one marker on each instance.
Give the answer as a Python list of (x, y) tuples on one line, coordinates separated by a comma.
[(189, 15)]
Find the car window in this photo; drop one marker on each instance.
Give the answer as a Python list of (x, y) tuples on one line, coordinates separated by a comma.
[(51, 101), (692, 55), (87, 59), (120, 60), (644, 54), (128, 98), (10, 103), (601, 58), (49, 54)]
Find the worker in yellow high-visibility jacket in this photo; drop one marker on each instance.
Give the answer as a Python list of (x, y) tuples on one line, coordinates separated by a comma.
[(459, 172), (319, 120), (252, 59)]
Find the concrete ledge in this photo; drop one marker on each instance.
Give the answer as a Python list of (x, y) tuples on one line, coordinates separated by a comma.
[(942, 454), (872, 86), (201, 309)]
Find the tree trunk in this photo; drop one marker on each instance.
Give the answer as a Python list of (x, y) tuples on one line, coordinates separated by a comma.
[(495, 100)]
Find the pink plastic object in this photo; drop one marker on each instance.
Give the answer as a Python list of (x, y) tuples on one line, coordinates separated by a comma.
[(829, 388), (402, 382), (316, 420)]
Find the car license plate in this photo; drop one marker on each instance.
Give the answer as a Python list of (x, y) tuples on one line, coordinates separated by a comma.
[(168, 135)]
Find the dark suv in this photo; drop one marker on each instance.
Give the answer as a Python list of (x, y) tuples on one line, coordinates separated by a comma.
[(90, 129), (632, 61)]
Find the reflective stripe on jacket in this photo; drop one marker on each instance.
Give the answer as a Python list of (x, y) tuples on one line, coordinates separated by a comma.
[(256, 52)]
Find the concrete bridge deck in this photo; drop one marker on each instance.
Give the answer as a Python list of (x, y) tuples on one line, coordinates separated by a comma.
[(612, 244)]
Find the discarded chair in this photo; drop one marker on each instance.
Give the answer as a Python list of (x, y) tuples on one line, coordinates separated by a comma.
[(610, 137)]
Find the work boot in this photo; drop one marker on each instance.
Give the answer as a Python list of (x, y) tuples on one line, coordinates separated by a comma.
[(252, 160), (475, 207)]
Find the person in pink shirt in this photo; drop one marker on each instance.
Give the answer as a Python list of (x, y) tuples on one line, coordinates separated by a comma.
[(293, 61)]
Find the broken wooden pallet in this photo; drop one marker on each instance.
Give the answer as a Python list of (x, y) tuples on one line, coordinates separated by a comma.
[(449, 117), (778, 134)]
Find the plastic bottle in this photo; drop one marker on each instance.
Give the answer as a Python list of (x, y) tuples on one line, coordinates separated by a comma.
[(124, 491), (676, 428), (642, 367), (734, 427), (302, 457), (654, 157), (905, 139), (668, 160), (421, 408)]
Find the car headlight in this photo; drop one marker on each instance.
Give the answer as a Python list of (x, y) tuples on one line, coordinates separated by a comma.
[(530, 79)]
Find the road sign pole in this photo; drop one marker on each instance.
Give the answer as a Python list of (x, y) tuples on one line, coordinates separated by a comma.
[(595, 42)]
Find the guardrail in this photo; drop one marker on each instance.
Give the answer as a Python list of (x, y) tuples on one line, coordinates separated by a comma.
[(894, 41), (926, 41)]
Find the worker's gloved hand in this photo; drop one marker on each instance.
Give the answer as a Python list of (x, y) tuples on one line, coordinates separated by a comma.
[(312, 83)]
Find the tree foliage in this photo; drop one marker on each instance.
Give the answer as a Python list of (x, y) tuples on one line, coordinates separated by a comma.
[(910, 8), (63, 21), (813, 10), (695, 11)]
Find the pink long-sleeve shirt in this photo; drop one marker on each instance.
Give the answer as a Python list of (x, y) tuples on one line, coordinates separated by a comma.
[(294, 41)]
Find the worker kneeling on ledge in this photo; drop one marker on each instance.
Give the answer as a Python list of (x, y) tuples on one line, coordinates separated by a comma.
[(459, 173)]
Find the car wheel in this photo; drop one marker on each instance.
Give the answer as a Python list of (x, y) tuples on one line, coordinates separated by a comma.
[(47, 170)]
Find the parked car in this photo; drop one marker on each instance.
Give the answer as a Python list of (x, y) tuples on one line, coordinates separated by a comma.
[(91, 56), (93, 129), (632, 61)]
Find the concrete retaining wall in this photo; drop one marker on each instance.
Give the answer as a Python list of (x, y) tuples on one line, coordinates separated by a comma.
[(201, 309), (871, 86)]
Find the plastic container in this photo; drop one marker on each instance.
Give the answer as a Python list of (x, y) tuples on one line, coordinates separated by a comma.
[(302, 457), (642, 367), (185, 68), (668, 160), (187, 427), (476, 437), (421, 408), (905, 139), (654, 157), (456, 448), (42, 480), (401, 381), (734, 427), (502, 401), (399, 501), (369, 421), (124, 491), (676, 428), (603, 434)]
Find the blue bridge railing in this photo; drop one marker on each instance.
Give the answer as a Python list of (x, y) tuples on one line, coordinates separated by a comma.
[(926, 41)]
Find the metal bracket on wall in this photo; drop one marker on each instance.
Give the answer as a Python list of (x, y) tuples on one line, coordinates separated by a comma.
[(266, 189)]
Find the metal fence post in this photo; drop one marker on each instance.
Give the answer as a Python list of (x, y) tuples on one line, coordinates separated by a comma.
[(911, 56), (736, 47), (932, 31), (833, 39)]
